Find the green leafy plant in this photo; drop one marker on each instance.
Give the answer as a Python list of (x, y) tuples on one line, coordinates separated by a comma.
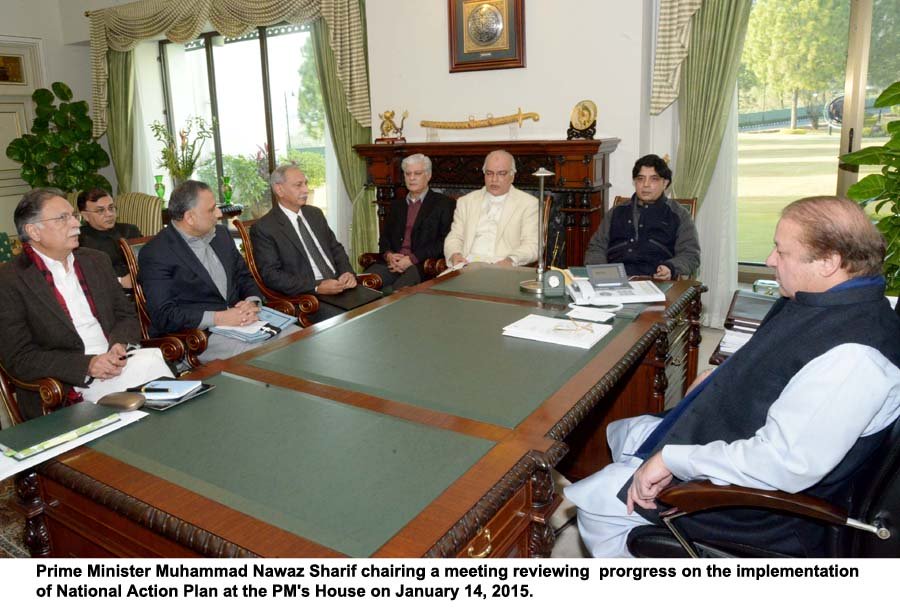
[(179, 157), (883, 189), (60, 151), (312, 163), (250, 189)]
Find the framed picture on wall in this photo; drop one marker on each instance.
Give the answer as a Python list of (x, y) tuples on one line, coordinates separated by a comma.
[(486, 34)]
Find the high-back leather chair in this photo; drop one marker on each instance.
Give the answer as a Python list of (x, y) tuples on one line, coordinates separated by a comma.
[(142, 210), (305, 304), (866, 524), (194, 339)]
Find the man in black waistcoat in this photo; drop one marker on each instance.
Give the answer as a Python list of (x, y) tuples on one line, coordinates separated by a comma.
[(102, 232), (651, 234), (799, 408)]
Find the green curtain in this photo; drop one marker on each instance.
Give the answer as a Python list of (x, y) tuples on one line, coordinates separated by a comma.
[(120, 130), (345, 133), (708, 78)]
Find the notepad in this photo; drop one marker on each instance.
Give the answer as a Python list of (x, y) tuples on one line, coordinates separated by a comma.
[(163, 405), (167, 389), (63, 425)]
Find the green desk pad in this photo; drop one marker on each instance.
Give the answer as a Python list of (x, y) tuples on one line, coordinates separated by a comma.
[(499, 282), (343, 477), (441, 352)]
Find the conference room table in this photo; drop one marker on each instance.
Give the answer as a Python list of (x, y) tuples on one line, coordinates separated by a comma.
[(409, 427)]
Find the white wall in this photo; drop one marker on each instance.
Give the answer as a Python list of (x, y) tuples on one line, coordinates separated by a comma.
[(40, 19), (575, 49)]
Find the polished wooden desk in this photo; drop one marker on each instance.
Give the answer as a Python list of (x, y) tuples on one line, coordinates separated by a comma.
[(135, 493)]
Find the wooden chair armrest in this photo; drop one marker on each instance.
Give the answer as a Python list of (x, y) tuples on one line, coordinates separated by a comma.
[(368, 259), (690, 497), (285, 307), (195, 340), (434, 266), (49, 388), (370, 280), (173, 348)]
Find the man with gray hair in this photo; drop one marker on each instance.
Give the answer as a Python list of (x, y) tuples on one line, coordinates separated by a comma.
[(497, 223), (62, 311), (194, 277), (295, 250), (415, 228)]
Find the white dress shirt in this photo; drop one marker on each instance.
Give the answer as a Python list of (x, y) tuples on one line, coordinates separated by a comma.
[(86, 325), (849, 392)]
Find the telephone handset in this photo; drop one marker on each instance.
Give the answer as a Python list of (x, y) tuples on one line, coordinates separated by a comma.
[(583, 293)]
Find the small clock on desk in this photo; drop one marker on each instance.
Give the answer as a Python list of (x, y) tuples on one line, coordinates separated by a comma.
[(554, 283)]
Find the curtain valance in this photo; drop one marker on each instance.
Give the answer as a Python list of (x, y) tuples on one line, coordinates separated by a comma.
[(121, 28), (673, 37)]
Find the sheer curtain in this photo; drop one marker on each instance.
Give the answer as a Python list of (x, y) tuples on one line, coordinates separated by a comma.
[(717, 227), (707, 144)]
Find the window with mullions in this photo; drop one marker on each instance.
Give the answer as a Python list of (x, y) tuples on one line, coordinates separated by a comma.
[(791, 97), (251, 122)]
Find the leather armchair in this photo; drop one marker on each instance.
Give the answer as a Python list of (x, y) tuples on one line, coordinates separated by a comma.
[(193, 340), (304, 305), (866, 524)]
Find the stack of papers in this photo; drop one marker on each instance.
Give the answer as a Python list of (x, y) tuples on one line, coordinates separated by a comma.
[(733, 340), (554, 330), (634, 292), (591, 314), (270, 323)]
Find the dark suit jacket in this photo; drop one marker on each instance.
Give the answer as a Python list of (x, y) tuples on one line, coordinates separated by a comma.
[(107, 241), (177, 287), (279, 254), (39, 339), (429, 230)]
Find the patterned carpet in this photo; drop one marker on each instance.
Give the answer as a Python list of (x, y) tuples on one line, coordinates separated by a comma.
[(11, 523)]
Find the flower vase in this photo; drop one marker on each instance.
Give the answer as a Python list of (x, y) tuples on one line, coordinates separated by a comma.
[(227, 190), (160, 187)]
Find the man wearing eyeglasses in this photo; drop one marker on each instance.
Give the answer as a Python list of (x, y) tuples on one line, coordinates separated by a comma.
[(62, 313), (415, 228), (496, 224), (101, 231), (651, 234)]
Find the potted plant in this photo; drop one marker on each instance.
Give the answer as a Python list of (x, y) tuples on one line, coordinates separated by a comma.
[(883, 189), (180, 156), (60, 151)]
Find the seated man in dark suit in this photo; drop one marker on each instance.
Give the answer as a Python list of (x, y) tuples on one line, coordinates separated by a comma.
[(415, 228), (799, 408), (295, 250), (194, 277), (62, 313), (101, 231), (651, 234)]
